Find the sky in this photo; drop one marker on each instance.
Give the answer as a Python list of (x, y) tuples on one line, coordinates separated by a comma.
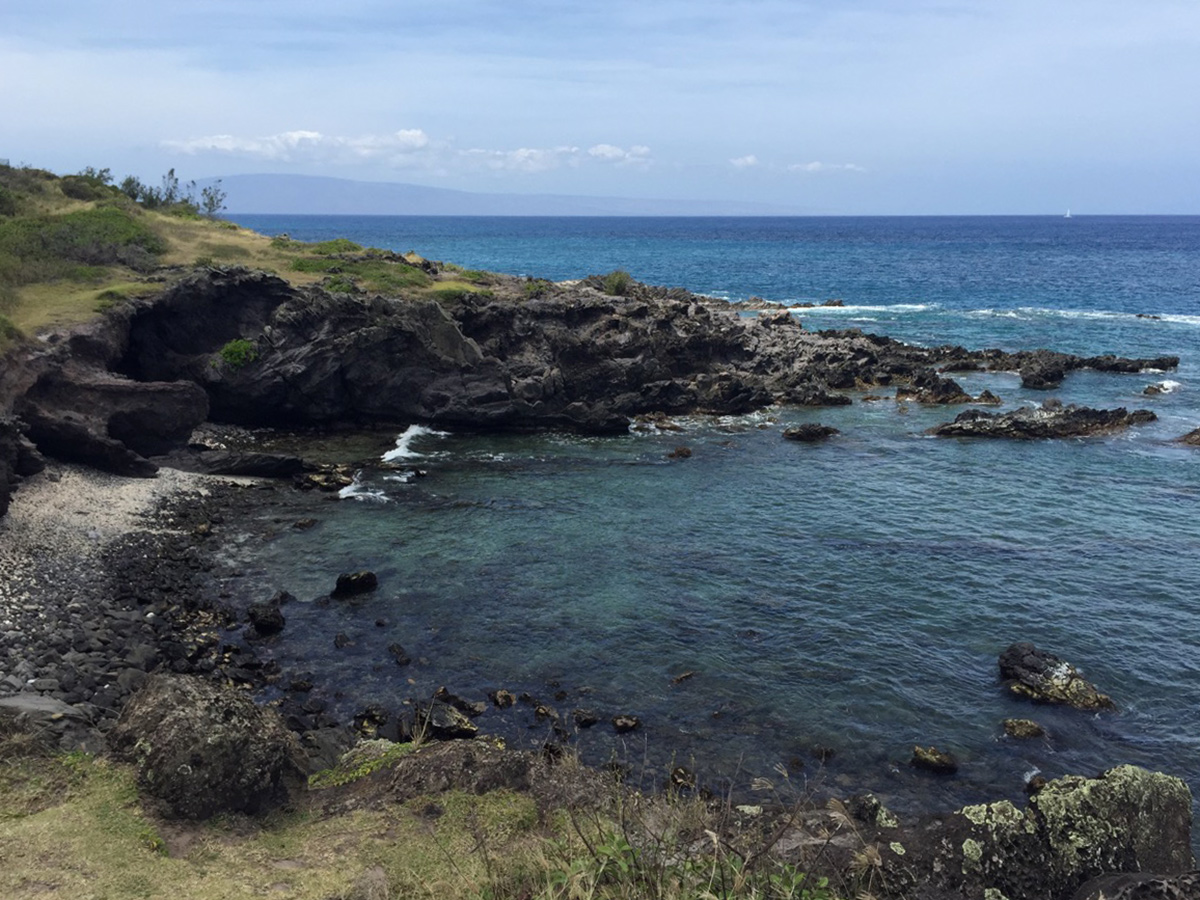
[(845, 107)]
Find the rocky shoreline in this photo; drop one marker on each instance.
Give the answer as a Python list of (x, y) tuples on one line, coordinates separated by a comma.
[(114, 577)]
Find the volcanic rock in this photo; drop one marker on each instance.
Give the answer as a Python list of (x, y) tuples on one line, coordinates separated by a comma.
[(1044, 678), (1073, 830), (1023, 729), (201, 749), (350, 584), (810, 432), (931, 759), (1050, 421)]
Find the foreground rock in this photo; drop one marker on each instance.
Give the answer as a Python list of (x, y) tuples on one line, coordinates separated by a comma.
[(1051, 420), (201, 749), (1044, 678), (1073, 830), (1192, 438)]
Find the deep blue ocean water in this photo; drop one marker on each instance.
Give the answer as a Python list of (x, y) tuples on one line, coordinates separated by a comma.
[(851, 596)]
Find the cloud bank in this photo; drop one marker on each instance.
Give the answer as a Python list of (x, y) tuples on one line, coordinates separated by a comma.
[(407, 148)]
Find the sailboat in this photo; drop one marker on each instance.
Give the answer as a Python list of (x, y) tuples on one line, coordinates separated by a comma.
[(1068, 215)]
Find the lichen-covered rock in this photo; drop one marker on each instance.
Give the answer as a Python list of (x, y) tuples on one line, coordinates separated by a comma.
[(1044, 678), (931, 759), (1073, 830), (1023, 729), (202, 749)]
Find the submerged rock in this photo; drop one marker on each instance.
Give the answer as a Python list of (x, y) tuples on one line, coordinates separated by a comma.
[(810, 433), (1023, 729), (1192, 438), (931, 759), (1044, 678), (1051, 420)]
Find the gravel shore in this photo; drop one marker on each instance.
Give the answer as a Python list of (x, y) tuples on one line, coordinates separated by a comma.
[(96, 570)]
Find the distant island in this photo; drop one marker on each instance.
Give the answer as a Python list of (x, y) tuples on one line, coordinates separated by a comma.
[(317, 195)]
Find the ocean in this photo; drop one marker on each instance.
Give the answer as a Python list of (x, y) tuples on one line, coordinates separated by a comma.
[(802, 615)]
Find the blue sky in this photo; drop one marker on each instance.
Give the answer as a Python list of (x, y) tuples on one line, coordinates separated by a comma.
[(849, 107)]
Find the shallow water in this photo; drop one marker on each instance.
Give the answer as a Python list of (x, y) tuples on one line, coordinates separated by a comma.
[(852, 595)]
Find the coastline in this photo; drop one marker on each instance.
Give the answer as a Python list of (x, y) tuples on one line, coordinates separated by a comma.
[(100, 588)]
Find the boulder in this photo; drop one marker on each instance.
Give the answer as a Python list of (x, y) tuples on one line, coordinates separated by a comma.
[(1044, 370), (1044, 678), (249, 463), (1051, 420), (1023, 729), (266, 617), (1192, 438), (810, 432), (350, 584), (1074, 829), (201, 749), (444, 722), (931, 759)]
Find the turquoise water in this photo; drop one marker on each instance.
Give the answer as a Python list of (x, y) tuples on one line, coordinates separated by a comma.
[(852, 595)]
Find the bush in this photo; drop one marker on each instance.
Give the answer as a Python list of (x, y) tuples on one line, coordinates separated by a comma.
[(337, 245), (618, 283), (9, 204), (238, 353), (79, 188)]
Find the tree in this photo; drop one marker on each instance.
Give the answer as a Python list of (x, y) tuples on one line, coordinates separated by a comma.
[(212, 200)]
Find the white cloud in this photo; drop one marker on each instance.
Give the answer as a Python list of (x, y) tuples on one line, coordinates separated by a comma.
[(298, 146), (825, 167), (744, 162), (406, 148), (524, 159), (634, 156)]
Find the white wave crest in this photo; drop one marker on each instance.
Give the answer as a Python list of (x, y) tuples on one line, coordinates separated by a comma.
[(359, 491), (1033, 312), (841, 310), (403, 448)]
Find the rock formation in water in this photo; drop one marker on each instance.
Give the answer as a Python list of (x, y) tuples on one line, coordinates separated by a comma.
[(248, 348), (1051, 420)]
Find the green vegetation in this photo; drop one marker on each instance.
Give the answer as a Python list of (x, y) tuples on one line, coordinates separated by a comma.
[(73, 825), (380, 274), (239, 353), (618, 283), (337, 245)]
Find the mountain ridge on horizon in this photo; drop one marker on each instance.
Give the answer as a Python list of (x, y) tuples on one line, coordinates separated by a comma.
[(280, 194)]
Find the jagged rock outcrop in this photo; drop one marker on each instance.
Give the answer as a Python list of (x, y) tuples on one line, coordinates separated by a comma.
[(1044, 678), (1051, 420), (18, 459), (201, 749), (1073, 830), (1192, 438)]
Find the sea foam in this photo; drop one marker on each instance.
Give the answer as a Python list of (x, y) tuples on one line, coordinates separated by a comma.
[(403, 448)]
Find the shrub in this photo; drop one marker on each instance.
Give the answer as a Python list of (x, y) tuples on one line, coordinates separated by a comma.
[(618, 283), (337, 245), (79, 188), (238, 353), (9, 204)]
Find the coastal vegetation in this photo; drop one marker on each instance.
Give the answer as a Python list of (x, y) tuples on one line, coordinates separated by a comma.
[(71, 246), (73, 824)]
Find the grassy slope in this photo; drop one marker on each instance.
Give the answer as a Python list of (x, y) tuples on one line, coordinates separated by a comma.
[(73, 826), (42, 286)]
